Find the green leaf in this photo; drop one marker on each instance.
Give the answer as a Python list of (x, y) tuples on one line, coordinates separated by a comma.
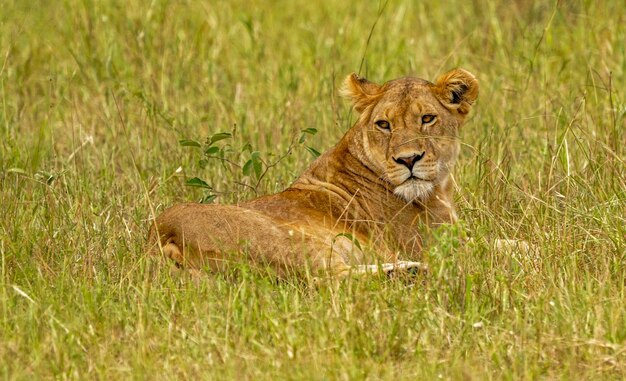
[(189, 143), (198, 183), (247, 168), (257, 164), (246, 147), (313, 151), (219, 136), (254, 166), (212, 150), (208, 198), (310, 131)]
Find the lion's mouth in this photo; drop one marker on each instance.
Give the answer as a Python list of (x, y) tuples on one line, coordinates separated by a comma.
[(413, 188), (417, 179)]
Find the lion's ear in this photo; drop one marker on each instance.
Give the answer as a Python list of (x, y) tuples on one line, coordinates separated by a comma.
[(360, 91), (457, 90)]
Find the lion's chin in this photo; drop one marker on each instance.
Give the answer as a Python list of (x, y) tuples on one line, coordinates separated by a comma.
[(413, 189)]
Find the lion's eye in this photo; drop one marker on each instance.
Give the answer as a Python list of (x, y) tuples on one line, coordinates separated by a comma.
[(382, 124), (428, 119)]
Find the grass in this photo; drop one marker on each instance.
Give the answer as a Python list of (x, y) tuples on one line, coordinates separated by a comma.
[(94, 97)]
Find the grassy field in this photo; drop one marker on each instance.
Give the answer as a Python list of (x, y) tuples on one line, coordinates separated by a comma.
[(95, 96)]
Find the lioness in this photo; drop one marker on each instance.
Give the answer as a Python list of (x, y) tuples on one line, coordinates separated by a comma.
[(356, 209)]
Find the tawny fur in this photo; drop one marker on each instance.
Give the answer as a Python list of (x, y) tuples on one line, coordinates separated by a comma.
[(359, 191)]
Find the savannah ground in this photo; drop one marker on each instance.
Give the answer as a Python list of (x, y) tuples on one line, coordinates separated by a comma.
[(95, 97)]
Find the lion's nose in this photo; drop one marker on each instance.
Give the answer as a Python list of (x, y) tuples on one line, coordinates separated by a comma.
[(409, 161)]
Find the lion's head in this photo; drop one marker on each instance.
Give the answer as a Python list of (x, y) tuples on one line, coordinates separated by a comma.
[(409, 128)]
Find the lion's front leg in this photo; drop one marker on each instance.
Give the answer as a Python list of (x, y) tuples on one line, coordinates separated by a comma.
[(337, 265)]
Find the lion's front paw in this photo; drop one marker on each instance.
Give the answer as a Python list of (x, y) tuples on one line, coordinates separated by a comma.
[(405, 269)]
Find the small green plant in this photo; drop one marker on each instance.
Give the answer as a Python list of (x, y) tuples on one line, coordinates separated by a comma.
[(217, 148), (208, 150)]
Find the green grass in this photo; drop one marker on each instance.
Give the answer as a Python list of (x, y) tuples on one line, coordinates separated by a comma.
[(94, 97)]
